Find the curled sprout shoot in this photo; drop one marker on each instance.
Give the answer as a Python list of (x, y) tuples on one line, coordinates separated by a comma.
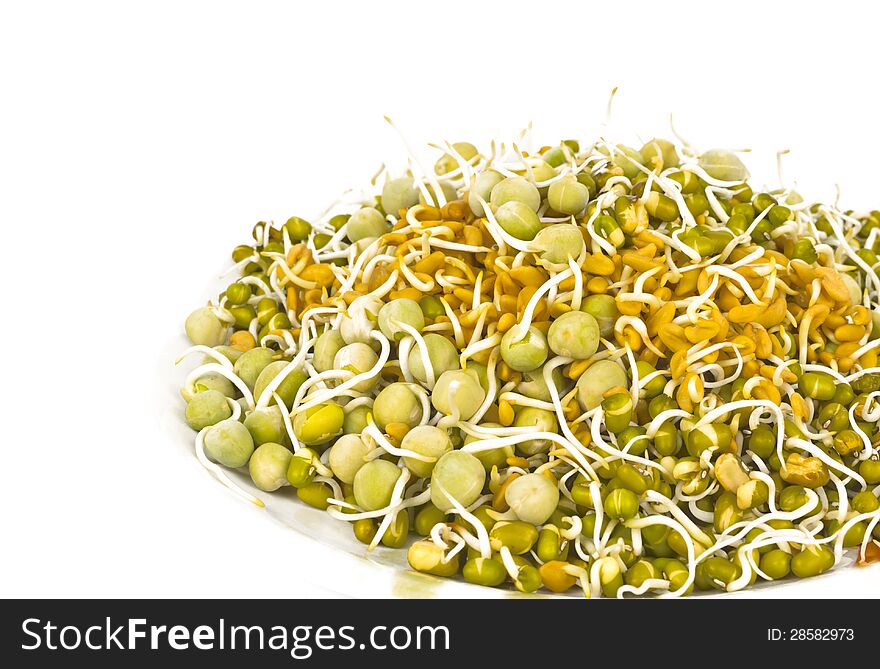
[(586, 367)]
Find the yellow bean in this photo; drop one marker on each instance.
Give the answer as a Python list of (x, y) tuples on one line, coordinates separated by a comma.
[(846, 333)]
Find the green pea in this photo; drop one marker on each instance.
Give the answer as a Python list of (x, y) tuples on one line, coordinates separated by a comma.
[(726, 511), (762, 441), (495, 457), (518, 219), (568, 196), (804, 250), (558, 242), (431, 307), (710, 435), (719, 569), (397, 403), (298, 228), (231, 354), (600, 377), (229, 443), (574, 334), (847, 442), (532, 497), (604, 309), (550, 544), (621, 503), (266, 425), (666, 439), (812, 561), (315, 494), (250, 365), (517, 536), (524, 352), (211, 381), (449, 163), (723, 165), (355, 419), (776, 564), (516, 189), (289, 386), (461, 476), (528, 579), (207, 408), (374, 484), (607, 228), (534, 385), (326, 346), (366, 223), (347, 456), (426, 518), (618, 410), (399, 194), (483, 185), (554, 157), (266, 308), (318, 424), (365, 530), (865, 502), (458, 391), (402, 310), (540, 420), (484, 571), (238, 293), (441, 352), (817, 385), (268, 466), (660, 404), (662, 207), (396, 534), (425, 440), (357, 358), (870, 471), (204, 328), (243, 315), (659, 154)]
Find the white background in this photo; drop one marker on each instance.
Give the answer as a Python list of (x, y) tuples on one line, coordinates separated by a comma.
[(139, 142)]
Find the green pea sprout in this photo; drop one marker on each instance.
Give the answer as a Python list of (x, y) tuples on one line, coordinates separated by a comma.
[(586, 366)]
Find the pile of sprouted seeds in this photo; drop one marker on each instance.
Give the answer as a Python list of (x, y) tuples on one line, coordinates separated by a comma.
[(585, 367)]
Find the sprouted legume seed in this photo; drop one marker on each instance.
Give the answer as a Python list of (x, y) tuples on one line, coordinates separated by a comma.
[(590, 367)]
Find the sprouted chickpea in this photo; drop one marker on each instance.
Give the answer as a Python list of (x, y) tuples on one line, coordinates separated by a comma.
[(588, 367)]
